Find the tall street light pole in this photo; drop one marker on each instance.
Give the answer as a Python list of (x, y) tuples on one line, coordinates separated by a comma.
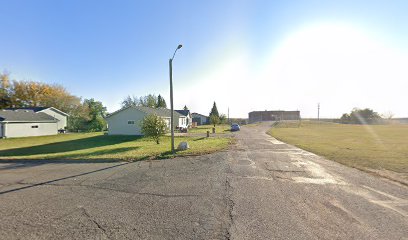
[(171, 98)]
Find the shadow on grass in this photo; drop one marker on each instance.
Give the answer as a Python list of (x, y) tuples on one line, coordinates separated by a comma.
[(71, 145), (100, 153), (198, 139), (71, 159)]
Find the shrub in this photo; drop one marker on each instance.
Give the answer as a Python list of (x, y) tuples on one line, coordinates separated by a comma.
[(154, 127)]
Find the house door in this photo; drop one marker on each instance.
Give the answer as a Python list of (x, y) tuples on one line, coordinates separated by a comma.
[(1, 130)]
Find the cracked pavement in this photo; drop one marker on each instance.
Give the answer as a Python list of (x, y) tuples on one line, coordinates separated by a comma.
[(282, 192), (181, 198), (259, 189)]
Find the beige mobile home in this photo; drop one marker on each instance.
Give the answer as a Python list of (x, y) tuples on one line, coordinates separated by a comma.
[(26, 123), (128, 121), (57, 114)]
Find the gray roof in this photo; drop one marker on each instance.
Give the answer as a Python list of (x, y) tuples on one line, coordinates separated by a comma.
[(162, 112), (24, 116), (39, 109), (197, 114), (183, 112), (35, 109)]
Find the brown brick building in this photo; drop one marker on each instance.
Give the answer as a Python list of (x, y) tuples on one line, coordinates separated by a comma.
[(260, 116)]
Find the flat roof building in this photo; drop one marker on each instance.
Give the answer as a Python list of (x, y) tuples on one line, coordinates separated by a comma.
[(261, 116)]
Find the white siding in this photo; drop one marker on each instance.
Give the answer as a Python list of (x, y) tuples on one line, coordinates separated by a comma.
[(189, 121), (118, 123), (167, 120), (182, 122), (62, 119), (27, 130)]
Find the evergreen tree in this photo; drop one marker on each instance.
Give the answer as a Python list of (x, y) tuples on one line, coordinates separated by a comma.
[(185, 107), (161, 103), (214, 111)]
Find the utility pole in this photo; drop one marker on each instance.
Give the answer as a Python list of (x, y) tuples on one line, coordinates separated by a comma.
[(318, 112), (228, 116), (171, 98)]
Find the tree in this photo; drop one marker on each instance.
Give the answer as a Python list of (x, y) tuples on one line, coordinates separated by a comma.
[(388, 115), (214, 110), (223, 119), (214, 116), (361, 116), (5, 100), (130, 101), (78, 119), (154, 127), (88, 116), (161, 103), (214, 119), (185, 108), (37, 94), (148, 101), (97, 113), (345, 118)]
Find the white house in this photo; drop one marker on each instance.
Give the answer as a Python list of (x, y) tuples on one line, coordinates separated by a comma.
[(187, 114), (59, 115), (128, 121), (25, 123)]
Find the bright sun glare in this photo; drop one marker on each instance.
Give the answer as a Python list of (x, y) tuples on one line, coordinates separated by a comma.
[(338, 65), (330, 61)]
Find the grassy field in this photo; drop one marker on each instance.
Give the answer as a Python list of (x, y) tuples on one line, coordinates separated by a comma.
[(85, 146), (223, 128), (375, 147)]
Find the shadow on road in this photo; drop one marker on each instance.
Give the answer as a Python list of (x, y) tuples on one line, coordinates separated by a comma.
[(60, 179)]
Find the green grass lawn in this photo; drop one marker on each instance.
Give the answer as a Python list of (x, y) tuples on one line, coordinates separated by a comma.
[(85, 146), (361, 146), (223, 128)]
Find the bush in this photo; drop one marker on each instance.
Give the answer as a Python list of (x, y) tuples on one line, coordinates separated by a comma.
[(154, 127), (361, 116), (214, 119)]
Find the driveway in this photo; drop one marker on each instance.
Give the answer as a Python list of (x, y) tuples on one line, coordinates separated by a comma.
[(259, 189)]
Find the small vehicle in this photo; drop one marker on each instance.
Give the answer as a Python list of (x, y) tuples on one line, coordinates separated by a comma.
[(235, 127), (183, 130)]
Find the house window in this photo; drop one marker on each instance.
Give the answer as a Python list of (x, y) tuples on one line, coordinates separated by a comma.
[(34, 126), (131, 122)]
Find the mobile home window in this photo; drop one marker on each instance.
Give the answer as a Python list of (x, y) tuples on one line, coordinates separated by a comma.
[(34, 126), (131, 122)]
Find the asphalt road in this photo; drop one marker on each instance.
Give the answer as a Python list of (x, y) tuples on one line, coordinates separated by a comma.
[(282, 192), (259, 189)]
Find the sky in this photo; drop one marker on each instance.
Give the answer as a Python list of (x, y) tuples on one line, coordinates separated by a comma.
[(244, 55)]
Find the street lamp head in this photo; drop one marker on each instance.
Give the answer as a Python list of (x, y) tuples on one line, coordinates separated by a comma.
[(178, 47)]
